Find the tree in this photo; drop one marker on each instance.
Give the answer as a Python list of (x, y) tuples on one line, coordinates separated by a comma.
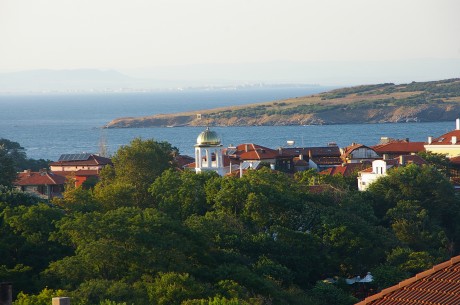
[(7, 167), (138, 165)]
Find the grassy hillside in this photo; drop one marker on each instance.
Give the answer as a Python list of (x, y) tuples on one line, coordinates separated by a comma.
[(423, 101)]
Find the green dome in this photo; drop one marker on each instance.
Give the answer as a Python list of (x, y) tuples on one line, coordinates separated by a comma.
[(208, 137)]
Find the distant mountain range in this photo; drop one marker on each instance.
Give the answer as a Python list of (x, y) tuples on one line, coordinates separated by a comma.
[(230, 75)]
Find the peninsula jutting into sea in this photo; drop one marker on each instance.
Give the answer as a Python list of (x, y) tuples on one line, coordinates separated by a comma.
[(381, 103)]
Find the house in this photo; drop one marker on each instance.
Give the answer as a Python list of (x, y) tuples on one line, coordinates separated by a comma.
[(75, 162), (346, 169), (251, 152), (448, 143), (395, 148), (439, 285), (379, 169), (80, 167), (356, 153), (294, 159), (43, 184)]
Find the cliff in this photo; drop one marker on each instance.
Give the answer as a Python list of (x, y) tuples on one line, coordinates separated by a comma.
[(382, 103)]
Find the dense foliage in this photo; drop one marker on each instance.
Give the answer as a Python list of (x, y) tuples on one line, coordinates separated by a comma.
[(150, 234)]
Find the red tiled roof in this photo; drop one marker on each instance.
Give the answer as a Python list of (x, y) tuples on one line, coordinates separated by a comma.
[(415, 159), (455, 160), (251, 151), (439, 285), (86, 172), (37, 178), (446, 139), (399, 147), (92, 160), (345, 170)]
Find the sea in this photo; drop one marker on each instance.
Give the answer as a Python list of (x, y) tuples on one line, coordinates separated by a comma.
[(50, 124)]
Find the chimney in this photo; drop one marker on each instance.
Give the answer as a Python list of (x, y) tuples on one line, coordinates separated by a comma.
[(430, 139), (6, 294), (402, 160), (246, 147), (280, 150), (457, 124), (454, 140), (43, 171)]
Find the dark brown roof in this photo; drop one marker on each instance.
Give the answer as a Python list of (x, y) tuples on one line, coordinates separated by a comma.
[(326, 151), (349, 149), (38, 178), (326, 160), (439, 285), (92, 160)]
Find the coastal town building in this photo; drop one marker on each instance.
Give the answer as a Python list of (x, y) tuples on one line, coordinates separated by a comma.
[(357, 153), (295, 159), (448, 143), (80, 167), (380, 167), (438, 285), (395, 148), (208, 153), (43, 184), (346, 169)]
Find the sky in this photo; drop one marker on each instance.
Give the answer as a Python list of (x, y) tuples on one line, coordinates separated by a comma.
[(138, 35)]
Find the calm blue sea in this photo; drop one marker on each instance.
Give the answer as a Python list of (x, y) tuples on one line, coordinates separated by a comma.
[(49, 125)]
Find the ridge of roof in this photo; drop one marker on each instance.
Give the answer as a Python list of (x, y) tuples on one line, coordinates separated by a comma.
[(401, 285)]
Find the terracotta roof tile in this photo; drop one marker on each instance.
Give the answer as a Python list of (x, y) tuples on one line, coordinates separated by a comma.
[(439, 285), (38, 178), (251, 151), (399, 147), (345, 170), (446, 139)]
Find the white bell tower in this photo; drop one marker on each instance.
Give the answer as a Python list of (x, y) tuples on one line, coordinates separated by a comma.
[(207, 147)]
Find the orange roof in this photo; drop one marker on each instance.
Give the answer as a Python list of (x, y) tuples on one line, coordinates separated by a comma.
[(345, 170), (446, 139), (455, 160), (251, 151), (439, 285), (38, 178), (399, 148)]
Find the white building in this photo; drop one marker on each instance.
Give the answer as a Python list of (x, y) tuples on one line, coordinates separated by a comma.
[(366, 177), (208, 153)]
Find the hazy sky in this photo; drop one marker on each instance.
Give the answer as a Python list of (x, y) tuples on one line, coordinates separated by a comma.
[(122, 34)]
